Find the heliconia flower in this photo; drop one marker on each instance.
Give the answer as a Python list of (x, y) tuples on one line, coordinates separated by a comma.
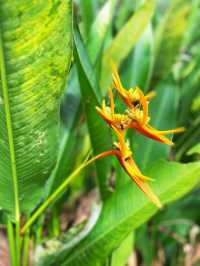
[(145, 129), (137, 111), (119, 121), (124, 156), (131, 97)]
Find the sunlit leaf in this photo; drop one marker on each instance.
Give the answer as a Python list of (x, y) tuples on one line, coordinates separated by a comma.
[(100, 28), (33, 73), (88, 8), (125, 41), (123, 252), (126, 210), (142, 61)]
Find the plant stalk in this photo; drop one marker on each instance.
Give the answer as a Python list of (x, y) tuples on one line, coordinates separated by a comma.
[(26, 249), (61, 189), (11, 242), (18, 243)]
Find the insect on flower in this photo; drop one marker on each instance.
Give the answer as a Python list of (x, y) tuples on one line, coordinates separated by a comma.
[(137, 111)]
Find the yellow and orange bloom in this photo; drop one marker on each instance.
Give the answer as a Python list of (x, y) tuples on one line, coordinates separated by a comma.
[(137, 104), (136, 116), (124, 156), (119, 121), (145, 129), (132, 97)]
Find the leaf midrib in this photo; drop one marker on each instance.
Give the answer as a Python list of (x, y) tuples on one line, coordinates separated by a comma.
[(8, 120)]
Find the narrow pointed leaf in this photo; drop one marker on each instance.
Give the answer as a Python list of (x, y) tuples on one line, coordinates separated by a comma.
[(140, 73), (98, 131), (125, 41), (100, 28)]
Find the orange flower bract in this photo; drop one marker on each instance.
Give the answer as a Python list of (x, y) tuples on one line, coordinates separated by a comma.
[(135, 116), (137, 104)]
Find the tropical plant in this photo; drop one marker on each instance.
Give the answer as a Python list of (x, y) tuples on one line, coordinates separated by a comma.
[(133, 79)]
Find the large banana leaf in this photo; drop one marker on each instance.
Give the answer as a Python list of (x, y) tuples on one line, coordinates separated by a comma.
[(33, 70), (127, 209)]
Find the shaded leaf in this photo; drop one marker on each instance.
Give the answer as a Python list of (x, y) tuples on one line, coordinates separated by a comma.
[(188, 72), (163, 111), (99, 132), (169, 37), (195, 149)]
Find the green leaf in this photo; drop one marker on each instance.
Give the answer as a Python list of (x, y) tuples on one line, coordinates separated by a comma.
[(189, 138), (98, 131), (192, 33), (189, 79), (72, 97), (124, 41), (126, 210), (142, 61), (68, 139), (123, 252), (100, 28), (33, 72), (189, 73), (88, 13), (169, 37), (195, 149)]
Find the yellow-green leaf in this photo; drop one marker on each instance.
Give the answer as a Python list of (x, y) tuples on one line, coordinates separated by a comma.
[(33, 69)]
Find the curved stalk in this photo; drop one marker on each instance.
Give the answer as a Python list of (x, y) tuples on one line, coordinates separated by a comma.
[(60, 189)]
